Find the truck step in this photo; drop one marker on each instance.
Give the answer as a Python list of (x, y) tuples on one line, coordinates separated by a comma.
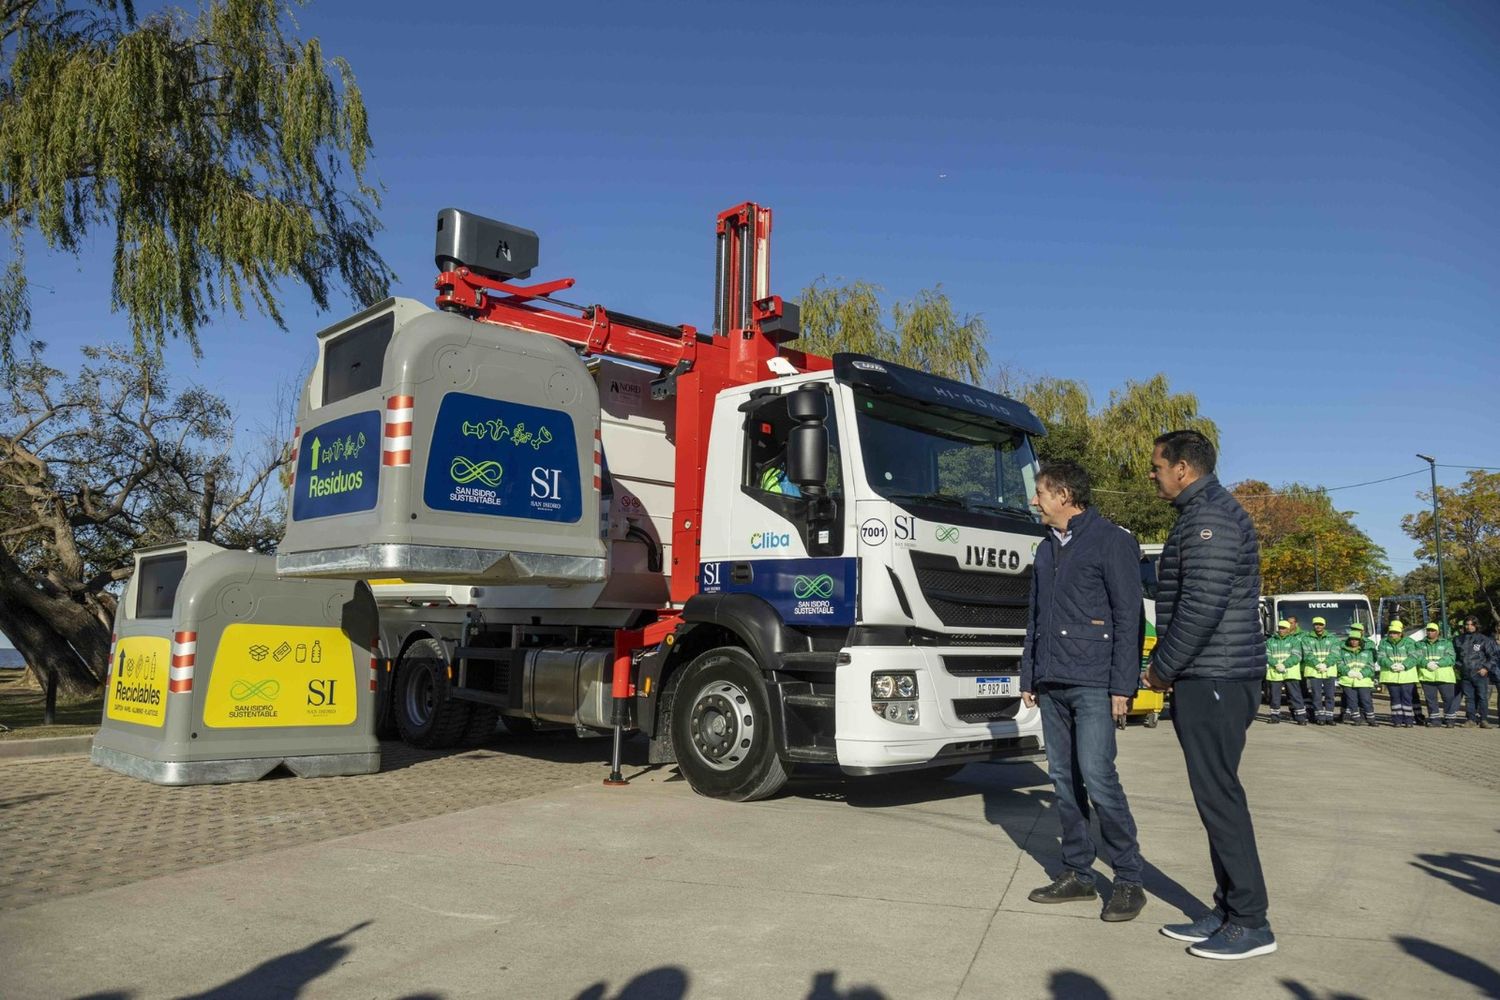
[(813, 755), (809, 700), (810, 661)]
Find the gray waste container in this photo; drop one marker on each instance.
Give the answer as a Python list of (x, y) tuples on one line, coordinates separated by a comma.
[(432, 447), (220, 671)]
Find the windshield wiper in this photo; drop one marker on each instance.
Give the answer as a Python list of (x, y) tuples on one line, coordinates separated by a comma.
[(945, 499), (1002, 508)]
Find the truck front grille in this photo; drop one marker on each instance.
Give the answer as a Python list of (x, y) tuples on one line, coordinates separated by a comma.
[(971, 598), (973, 710)]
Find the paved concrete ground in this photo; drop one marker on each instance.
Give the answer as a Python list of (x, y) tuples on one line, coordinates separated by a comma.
[(1384, 873)]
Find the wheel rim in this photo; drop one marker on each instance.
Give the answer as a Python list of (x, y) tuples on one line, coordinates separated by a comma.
[(722, 725), (419, 698)]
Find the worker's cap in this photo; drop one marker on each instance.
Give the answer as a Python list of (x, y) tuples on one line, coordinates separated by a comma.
[(1283, 624), (1357, 627), (1320, 621), (1433, 627), (1396, 625), (1356, 636)]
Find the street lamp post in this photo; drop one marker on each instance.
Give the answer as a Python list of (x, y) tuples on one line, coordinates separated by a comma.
[(1437, 537)]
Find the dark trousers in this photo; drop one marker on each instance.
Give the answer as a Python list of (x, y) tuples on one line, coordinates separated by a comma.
[(1080, 735), (1324, 694), (1358, 701), (1210, 719), (1401, 699), (1442, 701), (1293, 695), (1477, 698)]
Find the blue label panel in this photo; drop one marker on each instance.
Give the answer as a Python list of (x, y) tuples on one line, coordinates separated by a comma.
[(338, 467), (803, 591), (492, 457)]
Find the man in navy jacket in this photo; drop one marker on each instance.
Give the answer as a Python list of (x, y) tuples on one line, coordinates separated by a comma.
[(1081, 663), (1210, 650)]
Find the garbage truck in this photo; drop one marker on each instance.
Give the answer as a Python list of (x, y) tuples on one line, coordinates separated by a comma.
[(757, 557)]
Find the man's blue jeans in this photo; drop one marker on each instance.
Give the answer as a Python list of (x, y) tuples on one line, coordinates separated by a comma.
[(1080, 735), (1477, 697)]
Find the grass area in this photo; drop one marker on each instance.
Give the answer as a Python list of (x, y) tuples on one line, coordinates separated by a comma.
[(22, 707)]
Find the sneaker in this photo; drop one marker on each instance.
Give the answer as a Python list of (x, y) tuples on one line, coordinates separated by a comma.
[(1483, 724), (1371, 722), (1199, 930), (1233, 941), (1125, 903), (1064, 889), (1301, 722), (1274, 719)]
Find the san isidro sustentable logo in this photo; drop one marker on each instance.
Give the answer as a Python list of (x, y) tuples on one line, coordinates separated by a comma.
[(813, 595)]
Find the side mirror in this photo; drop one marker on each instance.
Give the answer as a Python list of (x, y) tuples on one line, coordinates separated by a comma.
[(807, 444)]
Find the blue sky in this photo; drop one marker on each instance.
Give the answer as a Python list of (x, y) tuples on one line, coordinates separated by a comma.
[(1289, 208)]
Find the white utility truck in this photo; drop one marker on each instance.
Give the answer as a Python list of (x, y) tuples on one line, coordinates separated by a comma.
[(755, 556)]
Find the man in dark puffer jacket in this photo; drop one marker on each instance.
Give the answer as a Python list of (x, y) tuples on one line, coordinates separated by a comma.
[(1211, 652)]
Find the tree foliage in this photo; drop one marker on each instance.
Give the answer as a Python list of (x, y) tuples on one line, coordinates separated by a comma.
[(1114, 442), (1308, 544), (224, 154), (926, 333), (97, 465), (1470, 519)]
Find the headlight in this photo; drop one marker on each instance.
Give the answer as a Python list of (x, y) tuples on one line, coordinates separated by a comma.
[(906, 686), (883, 686)]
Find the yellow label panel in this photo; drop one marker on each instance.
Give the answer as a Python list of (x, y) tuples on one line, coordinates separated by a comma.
[(281, 675), (138, 680)]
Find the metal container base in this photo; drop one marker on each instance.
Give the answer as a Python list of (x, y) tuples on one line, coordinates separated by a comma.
[(223, 772)]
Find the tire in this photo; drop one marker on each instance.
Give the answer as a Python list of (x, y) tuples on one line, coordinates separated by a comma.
[(425, 715), (721, 728), (481, 727), (1152, 718)]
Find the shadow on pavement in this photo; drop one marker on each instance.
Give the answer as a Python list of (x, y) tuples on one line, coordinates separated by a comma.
[(1303, 992), (1484, 978), (825, 987), (286, 975), (668, 982), (1471, 873), (561, 747), (1071, 985)]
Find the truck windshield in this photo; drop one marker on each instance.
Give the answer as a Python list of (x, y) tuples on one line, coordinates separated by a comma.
[(917, 453), (1339, 614)]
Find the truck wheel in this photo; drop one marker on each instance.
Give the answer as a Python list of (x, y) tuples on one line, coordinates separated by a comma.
[(721, 728), (425, 715), (482, 725)]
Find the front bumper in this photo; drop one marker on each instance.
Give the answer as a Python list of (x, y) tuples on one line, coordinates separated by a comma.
[(870, 744)]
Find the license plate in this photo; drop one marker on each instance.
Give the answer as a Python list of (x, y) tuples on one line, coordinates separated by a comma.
[(996, 687)]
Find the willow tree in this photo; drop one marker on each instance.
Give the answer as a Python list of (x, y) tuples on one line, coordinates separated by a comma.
[(224, 154), (927, 332), (1113, 441)]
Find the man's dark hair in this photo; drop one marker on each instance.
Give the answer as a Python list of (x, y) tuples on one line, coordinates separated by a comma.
[(1191, 447), (1069, 478)]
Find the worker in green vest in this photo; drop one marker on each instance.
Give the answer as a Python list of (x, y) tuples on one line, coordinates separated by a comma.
[(1284, 670), (1398, 660), (1439, 680), (1320, 652), (1356, 667)]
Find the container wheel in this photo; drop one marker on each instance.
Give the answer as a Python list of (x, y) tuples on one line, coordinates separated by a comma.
[(425, 715), (1152, 718), (721, 728)]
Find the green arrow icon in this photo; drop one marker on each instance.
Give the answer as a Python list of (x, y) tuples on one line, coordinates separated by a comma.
[(315, 455)]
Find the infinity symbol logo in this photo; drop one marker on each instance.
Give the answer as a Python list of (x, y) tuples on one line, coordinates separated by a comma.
[(947, 533), (464, 471), (813, 586), (265, 690)]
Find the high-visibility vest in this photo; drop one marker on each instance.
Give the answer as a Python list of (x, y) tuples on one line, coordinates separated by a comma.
[(1283, 658), (1320, 655), (1356, 668), (1398, 661), (1436, 665)]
